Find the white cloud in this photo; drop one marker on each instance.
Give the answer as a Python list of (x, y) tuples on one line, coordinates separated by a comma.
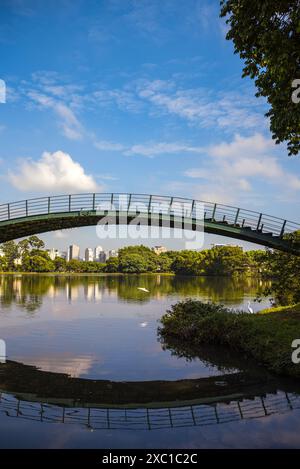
[(256, 144), (70, 125), (59, 234), (197, 173), (202, 107), (109, 146), (232, 170), (124, 99), (149, 149), (74, 367), (53, 172), (154, 149)]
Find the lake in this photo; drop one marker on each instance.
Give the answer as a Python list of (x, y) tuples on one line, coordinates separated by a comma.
[(85, 368)]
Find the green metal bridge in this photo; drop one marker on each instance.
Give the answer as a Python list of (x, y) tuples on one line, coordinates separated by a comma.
[(40, 215)]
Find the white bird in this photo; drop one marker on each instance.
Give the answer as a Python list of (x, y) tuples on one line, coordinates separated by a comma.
[(249, 308), (143, 289), (143, 324)]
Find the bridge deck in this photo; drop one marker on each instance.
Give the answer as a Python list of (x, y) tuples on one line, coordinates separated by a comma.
[(39, 215)]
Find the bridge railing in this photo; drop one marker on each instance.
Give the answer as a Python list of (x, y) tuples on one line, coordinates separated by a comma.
[(151, 419), (145, 203)]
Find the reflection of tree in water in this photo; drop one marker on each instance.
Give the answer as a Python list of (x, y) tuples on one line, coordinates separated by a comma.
[(27, 291), (29, 393), (23, 291), (216, 289), (25, 379), (222, 358)]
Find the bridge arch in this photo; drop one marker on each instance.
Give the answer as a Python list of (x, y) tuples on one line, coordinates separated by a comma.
[(44, 214)]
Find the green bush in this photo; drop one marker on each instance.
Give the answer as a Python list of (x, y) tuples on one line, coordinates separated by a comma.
[(265, 337)]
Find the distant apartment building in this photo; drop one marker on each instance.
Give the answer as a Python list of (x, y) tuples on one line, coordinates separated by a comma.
[(159, 249), (73, 252), (54, 253), (89, 255), (111, 253), (102, 257), (98, 254)]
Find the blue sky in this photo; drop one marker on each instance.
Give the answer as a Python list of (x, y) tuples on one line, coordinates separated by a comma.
[(139, 96)]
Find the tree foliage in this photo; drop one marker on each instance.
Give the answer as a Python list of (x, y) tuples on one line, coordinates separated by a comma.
[(29, 256), (284, 269), (266, 34), (10, 255)]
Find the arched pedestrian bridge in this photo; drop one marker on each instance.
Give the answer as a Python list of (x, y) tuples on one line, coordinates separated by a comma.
[(40, 215)]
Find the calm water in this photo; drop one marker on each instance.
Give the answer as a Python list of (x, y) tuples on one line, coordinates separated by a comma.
[(85, 368)]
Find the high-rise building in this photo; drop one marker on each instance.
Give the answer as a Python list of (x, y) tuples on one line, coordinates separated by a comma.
[(54, 253), (73, 252), (98, 253), (102, 257), (111, 253), (88, 255)]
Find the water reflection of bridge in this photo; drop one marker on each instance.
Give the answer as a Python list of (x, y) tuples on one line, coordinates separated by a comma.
[(94, 418), (27, 392)]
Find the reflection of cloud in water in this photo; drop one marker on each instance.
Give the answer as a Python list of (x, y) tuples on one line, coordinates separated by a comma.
[(74, 366)]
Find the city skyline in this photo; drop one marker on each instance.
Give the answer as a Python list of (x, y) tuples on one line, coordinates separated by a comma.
[(98, 254), (73, 251)]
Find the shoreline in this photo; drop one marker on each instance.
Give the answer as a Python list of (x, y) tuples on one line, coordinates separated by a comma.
[(265, 336), (92, 274), (171, 274)]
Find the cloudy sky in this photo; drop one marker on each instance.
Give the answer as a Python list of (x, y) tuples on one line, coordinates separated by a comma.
[(133, 96)]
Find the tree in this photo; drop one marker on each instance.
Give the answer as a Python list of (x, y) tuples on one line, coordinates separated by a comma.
[(3, 264), (257, 260), (133, 264), (11, 254), (188, 263), (164, 262), (91, 267), (60, 264), (35, 242), (74, 265), (266, 34), (284, 269), (112, 265), (37, 261), (150, 259), (225, 260), (40, 264), (24, 246), (27, 246)]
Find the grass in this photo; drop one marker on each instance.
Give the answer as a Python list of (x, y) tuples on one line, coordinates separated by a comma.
[(266, 336), (278, 309)]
